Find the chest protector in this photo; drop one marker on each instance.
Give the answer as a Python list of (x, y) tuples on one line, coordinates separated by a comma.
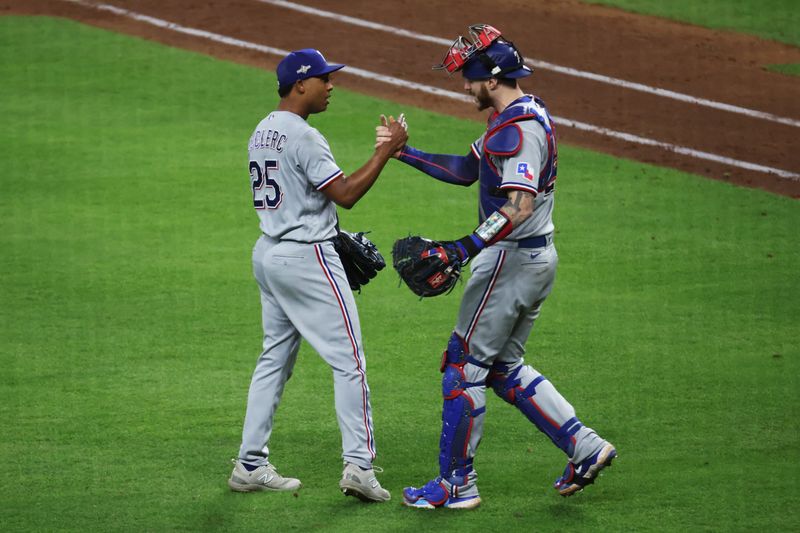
[(504, 139)]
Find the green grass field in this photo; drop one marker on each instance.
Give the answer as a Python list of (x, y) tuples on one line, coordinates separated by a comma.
[(130, 323), (778, 20)]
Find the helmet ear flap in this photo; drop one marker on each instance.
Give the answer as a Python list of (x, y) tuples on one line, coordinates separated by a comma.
[(489, 64)]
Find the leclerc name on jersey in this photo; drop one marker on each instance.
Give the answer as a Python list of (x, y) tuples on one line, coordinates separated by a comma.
[(269, 140)]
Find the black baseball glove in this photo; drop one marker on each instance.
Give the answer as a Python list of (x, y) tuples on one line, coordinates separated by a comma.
[(429, 268), (360, 257)]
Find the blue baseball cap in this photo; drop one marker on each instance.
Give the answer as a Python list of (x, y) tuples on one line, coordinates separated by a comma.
[(303, 64)]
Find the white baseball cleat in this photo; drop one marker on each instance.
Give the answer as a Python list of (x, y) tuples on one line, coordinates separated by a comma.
[(264, 477), (362, 484)]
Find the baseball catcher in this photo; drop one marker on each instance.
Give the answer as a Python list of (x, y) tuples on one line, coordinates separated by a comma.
[(513, 265), (360, 257)]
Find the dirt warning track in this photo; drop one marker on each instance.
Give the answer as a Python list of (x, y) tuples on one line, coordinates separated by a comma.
[(611, 77)]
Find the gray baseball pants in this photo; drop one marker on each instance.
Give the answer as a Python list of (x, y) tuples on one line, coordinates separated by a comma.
[(305, 293)]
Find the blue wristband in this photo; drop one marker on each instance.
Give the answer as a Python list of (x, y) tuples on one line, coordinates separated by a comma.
[(471, 245)]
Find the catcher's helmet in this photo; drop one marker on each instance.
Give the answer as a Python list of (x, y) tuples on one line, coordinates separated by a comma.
[(486, 56)]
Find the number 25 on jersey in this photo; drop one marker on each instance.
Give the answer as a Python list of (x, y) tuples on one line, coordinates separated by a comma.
[(266, 191)]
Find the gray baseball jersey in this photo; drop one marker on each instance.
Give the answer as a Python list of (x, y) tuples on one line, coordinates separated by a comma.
[(290, 164), (533, 153), (304, 289)]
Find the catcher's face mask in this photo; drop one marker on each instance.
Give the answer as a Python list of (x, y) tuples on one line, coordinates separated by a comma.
[(487, 55), (462, 49)]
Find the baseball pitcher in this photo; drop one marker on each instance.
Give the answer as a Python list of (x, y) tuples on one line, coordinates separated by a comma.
[(295, 185)]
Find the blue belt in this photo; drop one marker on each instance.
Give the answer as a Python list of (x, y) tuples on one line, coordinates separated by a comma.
[(540, 241)]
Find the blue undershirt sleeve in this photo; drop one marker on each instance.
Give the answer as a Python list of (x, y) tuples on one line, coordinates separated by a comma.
[(455, 169)]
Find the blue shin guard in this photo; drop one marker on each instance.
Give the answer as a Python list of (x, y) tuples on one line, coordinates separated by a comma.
[(508, 385), (459, 412), (455, 487)]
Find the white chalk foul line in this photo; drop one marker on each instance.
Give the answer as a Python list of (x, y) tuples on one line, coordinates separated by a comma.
[(677, 149), (541, 64), (398, 82)]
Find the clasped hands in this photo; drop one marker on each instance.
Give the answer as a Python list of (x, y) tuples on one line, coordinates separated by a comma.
[(388, 127)]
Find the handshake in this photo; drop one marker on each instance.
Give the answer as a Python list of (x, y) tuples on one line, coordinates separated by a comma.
[(391, 132)]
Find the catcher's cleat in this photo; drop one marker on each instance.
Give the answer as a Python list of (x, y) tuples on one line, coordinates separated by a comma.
[(441, 493), (363, 484), (576, 477), (264, 477)]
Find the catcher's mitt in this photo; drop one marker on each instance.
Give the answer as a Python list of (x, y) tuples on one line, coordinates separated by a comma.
[(360, 257), (428, 267)]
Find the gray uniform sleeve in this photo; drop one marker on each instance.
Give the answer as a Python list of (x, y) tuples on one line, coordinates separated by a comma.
[(316, 160), (521, 171)]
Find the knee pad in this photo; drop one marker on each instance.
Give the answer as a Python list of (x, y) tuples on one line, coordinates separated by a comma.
[(457, 353), (453, 382)]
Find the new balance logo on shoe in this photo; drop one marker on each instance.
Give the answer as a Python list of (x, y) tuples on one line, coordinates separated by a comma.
[(352, 484), (263, 478)]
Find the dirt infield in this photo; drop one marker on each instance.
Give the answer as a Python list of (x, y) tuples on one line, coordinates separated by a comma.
[(719, 66)]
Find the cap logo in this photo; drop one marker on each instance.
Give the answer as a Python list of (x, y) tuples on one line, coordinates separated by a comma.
[(303, 69)]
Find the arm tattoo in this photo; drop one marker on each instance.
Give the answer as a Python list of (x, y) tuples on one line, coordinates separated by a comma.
[(519, 206)]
